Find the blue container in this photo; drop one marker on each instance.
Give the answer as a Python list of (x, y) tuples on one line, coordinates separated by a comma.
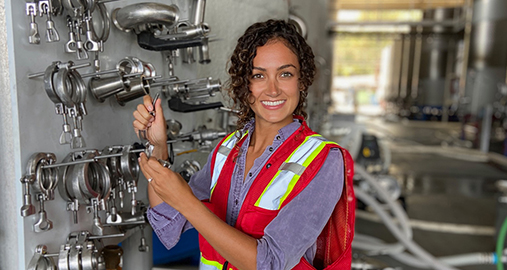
[(186, 250)]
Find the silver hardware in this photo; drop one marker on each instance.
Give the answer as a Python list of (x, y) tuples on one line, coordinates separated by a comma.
[(31, 10), (71, 46), (44, 183), (142, 16), (143, 247), (43, 223), (28, 208), (80, 48), (165, 163), (40, 260), (45, 7), (91, 43), (103, 88), (136, 87), (188, 168)]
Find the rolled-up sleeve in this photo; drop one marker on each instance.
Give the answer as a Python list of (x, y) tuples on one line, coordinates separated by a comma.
[(168, 223), (294, 231)]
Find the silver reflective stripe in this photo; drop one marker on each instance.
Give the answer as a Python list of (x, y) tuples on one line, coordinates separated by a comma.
[(222, 153), (305, 150), (293, 167), (289, 171), (270, 200), (224, 150), (219, 163)]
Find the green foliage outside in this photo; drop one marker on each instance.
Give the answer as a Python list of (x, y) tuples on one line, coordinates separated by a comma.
[(359, 53)]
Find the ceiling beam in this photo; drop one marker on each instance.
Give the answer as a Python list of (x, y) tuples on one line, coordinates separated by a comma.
[(394, 4)]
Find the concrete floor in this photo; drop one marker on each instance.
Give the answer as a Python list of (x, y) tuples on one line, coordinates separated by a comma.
[(436, 188), (440, 189)]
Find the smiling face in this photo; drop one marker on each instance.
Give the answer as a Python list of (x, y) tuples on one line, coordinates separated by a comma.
[(274, 84)]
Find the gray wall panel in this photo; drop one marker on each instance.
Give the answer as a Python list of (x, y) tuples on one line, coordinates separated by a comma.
[(36, 128)]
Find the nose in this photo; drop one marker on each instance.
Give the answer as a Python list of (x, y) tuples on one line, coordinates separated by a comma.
[(273, 88)]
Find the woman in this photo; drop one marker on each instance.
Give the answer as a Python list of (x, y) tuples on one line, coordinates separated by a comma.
[(268, 191)]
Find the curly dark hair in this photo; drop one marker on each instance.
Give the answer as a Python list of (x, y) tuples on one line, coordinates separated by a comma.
[(241, 64)]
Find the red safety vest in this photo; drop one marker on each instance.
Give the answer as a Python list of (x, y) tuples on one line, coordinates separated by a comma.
[(287, 172)]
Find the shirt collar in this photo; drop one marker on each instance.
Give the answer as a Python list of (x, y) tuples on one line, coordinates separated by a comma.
[(283, 133)]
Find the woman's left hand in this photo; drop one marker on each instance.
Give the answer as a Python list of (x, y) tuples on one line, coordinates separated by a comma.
[(168, 185)]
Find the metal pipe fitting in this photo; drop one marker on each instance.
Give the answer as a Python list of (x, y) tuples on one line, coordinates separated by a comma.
[(102, 88), (134, 17), (41, 262), (200, 6), (43, 181), (204, 52), (136, 87), (129, 165), (88, 180)]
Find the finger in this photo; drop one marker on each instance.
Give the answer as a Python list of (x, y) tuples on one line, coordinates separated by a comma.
[(147, 100), (138, 126), (143, 112), (139, 118), (159, 112), (143, 160)]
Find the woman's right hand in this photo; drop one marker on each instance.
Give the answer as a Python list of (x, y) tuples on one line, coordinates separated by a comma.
[(155, 126)]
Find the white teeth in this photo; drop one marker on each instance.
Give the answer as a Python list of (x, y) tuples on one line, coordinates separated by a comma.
[(273, 103)]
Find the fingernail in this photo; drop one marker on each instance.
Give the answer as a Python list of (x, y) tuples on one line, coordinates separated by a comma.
[(150, 108), (149, 124)]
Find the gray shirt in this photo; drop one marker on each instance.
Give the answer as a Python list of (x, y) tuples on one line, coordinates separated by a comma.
[(293, 232)]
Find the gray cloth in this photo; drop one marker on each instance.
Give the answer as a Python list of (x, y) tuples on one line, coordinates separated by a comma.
[(293, 232)]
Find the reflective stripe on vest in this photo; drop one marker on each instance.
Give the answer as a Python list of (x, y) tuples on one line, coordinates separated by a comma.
[(221, 157), (209, 265), (290, 171)]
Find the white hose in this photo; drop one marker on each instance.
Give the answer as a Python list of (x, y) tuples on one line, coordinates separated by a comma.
[(454, 260), (450, 152), (397, 210), (407, 242), (375, 246), (435, 226)]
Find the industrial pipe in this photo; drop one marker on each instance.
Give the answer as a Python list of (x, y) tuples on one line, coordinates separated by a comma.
[(133, 16)]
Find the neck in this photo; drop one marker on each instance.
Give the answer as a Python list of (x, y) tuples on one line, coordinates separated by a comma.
[(265, 134)]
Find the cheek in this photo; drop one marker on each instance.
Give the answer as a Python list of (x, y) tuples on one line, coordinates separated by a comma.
[(251, 97)]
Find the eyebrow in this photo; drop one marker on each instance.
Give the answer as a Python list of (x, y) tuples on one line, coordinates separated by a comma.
[(279, 68)]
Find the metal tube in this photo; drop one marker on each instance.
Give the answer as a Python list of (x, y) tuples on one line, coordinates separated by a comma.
[(405, 67), (93, 237), (99, 73), (417, 63), (486, 128), (200, 6), (448, 78), (466, 47), (424, 23), (39, 74), (136, 15)]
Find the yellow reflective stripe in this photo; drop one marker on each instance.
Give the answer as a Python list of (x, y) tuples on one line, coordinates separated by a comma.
[(228, 138), (211, 263), (305, 164), (292, 183), (306, 139), (212, 189), (288, 158)]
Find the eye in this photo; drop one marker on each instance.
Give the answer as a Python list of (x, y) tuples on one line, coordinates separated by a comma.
[(286, 74), (257, 76)]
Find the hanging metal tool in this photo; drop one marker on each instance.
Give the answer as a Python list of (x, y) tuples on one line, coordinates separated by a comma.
[(43, 183), (31, 11)]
